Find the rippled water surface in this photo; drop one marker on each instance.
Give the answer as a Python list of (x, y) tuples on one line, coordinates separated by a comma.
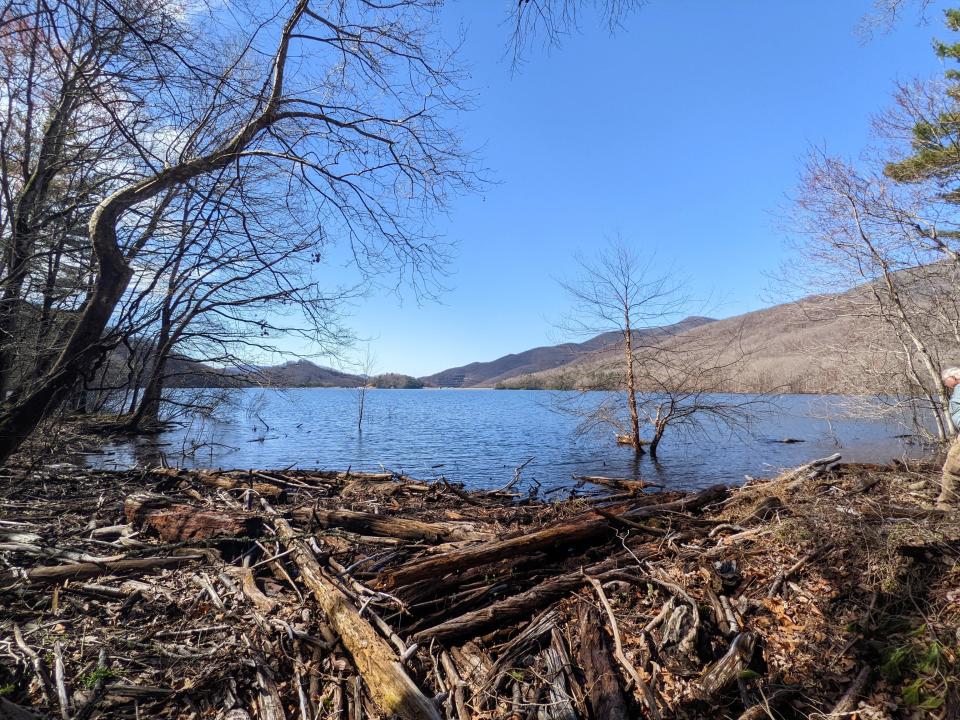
[(479, 436)]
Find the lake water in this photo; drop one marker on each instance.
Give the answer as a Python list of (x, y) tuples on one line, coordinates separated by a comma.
[(478, 437)]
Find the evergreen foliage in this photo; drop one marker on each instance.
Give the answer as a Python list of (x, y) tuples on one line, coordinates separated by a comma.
[(936, 140)]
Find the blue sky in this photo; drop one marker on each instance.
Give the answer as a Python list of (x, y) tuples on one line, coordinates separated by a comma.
[(683, 133)]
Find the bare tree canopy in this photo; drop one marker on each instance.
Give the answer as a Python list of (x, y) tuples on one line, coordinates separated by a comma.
[(666, 379), (551, 20), (330, 121), (884, 231)]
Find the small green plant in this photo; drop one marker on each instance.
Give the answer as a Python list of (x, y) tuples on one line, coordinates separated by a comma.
[(92, 678), (7, 689), (920, 663)]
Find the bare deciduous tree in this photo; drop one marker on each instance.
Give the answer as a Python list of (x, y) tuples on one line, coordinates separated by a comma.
[(367, 369), (884, 248), (687, 383), (619, 293), (337, 109)]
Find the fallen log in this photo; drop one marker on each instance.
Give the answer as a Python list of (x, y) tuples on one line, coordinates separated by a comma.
[(514, 608), (604, 695), (558, 705), (589, 526), (59, 573), (649, 698), (389, 686), (387, 526), (10, 711), (796, 478), (180, 522), (504, 612), (223, 481), (615, 483), (728, 668), (849, 699)]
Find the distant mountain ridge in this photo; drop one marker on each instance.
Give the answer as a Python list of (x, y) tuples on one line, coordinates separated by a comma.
[(303, 373), (185, 372), (831, 343), (548, 357)]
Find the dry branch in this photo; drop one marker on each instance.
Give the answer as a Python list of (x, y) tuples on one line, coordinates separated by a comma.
[(387, 526), (388, 683), (590, 527)]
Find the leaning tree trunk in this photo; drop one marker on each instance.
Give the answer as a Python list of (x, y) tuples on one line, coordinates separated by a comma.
[(27, 208), (84, 346), (149, 408), (19, 420), (657, 437)]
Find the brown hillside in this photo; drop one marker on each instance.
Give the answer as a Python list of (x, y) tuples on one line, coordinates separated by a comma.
[(814, 345)]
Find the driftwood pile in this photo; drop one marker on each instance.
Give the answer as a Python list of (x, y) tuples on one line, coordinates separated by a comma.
[(162, 593)]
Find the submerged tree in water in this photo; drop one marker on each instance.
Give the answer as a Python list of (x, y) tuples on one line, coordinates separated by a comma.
[(619, 294)]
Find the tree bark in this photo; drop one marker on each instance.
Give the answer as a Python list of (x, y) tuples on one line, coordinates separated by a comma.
[(179, 522), (604, 694), (83, 347), (632, 388), (24, 225), (655, 442), (388, 683), (589, 526), (148, 411)]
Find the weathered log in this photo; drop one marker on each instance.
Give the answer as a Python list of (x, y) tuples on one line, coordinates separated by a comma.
[(458, 686), (558, 705), (795, 478), (509, 610), (520, 649), (221, 480), (604, 695), (11, 711), (180, 522), (650, 699), (587, 527), (719, 612), (59, 573), (503, 612), (387, 526), (615, 483), (385, 678), (253, 593), (849, 699), (725, 670)]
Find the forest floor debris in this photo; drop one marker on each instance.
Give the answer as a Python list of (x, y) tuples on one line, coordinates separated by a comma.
[(830, 591)]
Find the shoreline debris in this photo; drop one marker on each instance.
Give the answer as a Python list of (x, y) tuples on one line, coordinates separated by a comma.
[(299, 594)]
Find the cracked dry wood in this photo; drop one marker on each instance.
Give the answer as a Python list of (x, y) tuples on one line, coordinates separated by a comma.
[(389, 685)]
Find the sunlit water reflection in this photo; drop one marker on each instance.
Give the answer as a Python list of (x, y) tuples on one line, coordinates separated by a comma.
[(479, 436)]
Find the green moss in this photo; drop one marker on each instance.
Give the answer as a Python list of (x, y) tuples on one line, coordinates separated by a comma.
[(90, 680)]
